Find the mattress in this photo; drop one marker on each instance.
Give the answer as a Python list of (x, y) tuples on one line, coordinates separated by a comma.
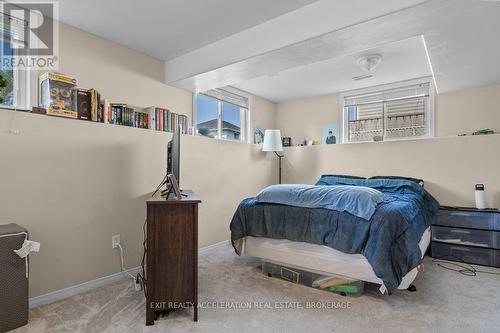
[(322, 259)]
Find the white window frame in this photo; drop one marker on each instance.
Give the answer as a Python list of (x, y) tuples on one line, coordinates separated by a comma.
[(397, 85), (24, 84), (245, 116)]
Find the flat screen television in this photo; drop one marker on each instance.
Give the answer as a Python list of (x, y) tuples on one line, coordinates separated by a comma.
[(173, 160)]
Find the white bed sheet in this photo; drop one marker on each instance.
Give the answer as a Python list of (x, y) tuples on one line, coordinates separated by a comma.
[(322, 259)]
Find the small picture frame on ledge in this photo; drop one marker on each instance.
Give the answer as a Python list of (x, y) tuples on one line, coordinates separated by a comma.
[(286, 141)]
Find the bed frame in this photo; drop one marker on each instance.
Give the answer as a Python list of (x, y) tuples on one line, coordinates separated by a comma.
[(324, 260)]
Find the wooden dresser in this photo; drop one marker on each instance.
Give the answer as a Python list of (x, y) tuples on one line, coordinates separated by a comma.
[(172, 255)]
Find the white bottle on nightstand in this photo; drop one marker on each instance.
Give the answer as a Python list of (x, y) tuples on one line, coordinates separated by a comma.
[(480, 196)]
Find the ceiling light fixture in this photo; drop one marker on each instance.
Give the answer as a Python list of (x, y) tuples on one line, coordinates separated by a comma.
[(369, 62)]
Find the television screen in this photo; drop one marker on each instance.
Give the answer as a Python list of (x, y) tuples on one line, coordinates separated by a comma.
[(173, 161), (174, 149)]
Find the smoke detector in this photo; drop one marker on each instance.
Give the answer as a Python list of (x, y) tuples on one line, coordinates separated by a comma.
[(369, 62)]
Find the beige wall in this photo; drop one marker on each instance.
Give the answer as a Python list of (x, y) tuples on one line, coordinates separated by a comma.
[(74, 184), (263, 113), (118, 73), (126, 76), (450, 166), (456, 112), (303, 118), (468, 110)]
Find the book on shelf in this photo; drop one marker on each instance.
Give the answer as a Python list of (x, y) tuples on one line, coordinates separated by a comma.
[(106, 111), (164, 120), (122, 114), (95, 101)]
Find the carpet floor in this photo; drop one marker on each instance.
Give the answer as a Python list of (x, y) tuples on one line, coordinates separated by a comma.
[(236, 297)]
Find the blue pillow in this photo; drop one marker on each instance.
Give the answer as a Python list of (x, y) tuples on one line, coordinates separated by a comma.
[(360, 201)]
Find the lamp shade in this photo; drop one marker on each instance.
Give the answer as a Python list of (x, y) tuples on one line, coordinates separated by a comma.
[(272, 140)]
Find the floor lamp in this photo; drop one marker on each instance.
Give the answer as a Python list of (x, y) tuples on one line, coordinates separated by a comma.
[(272, 142)]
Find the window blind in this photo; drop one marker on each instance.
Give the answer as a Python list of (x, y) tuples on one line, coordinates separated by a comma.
[(388, 113), (406, 107), (12, 28), (403, 93), (369, 111), (227, 96)]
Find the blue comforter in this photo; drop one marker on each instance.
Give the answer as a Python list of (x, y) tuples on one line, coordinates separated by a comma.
[(389, 239), (357, 200)]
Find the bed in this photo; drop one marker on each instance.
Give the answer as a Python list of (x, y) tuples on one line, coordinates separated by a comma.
[(381, 240)]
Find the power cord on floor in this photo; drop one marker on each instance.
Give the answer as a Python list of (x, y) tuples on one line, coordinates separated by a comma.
[(460, 266)]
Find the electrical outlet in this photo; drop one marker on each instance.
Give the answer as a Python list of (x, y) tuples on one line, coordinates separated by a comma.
[(115, 240)]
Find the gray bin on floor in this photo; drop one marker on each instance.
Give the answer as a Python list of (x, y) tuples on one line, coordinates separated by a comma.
[(13, 280)]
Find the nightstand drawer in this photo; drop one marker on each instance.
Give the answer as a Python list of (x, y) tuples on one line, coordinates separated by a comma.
[(497, 258), (469, 237), (471, 255), (468, 219), (496, 240)]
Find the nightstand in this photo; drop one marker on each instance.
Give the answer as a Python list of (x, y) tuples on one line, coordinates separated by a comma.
[(468, 235)]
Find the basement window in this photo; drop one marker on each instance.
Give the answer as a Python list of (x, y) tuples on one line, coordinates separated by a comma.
[(222, 113), (17, 86), (391, 112)]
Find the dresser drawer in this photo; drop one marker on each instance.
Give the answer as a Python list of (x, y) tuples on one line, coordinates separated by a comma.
[(468, 219), (470, 237), (471, 255), (497, 258), (496, 240)]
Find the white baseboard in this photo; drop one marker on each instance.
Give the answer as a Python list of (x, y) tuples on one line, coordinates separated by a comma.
[(102, 281), (80, 288), (207, 248)]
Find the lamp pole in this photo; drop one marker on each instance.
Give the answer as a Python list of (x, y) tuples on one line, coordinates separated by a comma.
[(279, 164)]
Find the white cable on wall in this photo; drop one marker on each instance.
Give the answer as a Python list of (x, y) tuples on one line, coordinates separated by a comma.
[(122, 267)]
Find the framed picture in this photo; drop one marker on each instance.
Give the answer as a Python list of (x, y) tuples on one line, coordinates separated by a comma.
[(259, 135), (330, 133)]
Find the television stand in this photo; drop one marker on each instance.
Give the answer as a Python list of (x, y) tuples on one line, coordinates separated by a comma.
[(172, 255)]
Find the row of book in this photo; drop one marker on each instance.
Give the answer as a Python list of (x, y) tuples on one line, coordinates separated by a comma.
[(60, 96), (121, 114), (165, 120), (153, 117)]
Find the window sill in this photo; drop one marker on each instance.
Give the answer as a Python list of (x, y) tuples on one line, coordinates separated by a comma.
[(13, 108), (393, 140), (224, 140)]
